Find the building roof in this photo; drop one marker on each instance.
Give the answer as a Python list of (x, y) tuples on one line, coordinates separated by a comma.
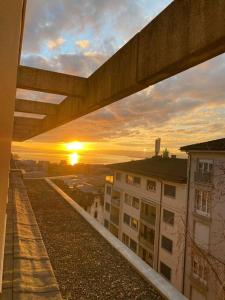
[(171, 169), (214, 145)]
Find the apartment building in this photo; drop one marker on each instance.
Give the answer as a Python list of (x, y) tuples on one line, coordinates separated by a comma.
[(145, 207), (205, 238)]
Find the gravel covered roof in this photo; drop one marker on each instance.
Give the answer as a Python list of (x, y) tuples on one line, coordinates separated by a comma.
[(85, 264)]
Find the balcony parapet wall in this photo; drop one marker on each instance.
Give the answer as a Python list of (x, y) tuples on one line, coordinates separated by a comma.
[(27, 272)]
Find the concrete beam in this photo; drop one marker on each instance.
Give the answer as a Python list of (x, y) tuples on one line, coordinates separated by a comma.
[(23, 121), (185, 34), (35, 107), (11, 16), (50, 82)]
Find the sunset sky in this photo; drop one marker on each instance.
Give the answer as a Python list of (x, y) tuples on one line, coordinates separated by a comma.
[(76, 37)]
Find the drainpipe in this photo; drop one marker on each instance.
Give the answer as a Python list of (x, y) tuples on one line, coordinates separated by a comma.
[(160, 213), (187, 215)]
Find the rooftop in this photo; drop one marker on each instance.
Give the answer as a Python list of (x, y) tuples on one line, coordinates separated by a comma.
[(214, 145), (85, 264), (171, 169)]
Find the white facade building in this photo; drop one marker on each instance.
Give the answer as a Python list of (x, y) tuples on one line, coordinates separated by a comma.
[(145, 207)]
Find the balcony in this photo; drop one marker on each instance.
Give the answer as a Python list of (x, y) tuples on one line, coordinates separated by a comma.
[(148, 218), (115, 201), (203, 177), (145, 242)]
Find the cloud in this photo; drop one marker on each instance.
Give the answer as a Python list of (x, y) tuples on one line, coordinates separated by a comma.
[(55, 43), (83, 44)]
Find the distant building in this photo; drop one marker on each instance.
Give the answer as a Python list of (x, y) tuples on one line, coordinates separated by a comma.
[(87, 195), (145, 207), (205, 252)]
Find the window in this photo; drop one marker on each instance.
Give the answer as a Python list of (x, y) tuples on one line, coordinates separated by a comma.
[(125, 239), (148, 234), (107, 206), (106, 223), (96, 204), (114, 230), (205, 166), (96, 215), (170, 190), (133, 245), (202, 202), (148, 213), (199, 269), (128, 199), (165, 271), (167, 244), (132, 201), (118, 176), (168, 217), (108, 190), (134, 180), (114, 215), (151, 185), (126, 219), (134, 223), (135, 202), (137, 180), (146, 255)]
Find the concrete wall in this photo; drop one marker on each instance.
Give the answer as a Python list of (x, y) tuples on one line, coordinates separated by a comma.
[(10, 30)]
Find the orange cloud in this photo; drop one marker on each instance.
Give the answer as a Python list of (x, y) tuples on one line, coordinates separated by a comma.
[(55, 43), (83, 44)]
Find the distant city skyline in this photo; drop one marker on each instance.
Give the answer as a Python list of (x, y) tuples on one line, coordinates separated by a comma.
[(184, 109)]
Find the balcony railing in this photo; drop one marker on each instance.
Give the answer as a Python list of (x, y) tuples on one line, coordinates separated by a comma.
[(115, 201), (148, 218), (145, 242), (114, 219), (203, 177)]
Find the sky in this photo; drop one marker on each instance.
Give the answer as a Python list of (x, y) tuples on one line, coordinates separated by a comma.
[(76, 37)]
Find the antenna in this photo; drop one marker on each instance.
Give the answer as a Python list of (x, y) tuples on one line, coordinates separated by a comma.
[(157, 146)]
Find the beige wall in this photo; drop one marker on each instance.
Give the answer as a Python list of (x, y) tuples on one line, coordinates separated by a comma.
[(176, 233), (208, 232), (11, 23)]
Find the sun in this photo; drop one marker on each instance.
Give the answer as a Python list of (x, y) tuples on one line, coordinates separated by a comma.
[(74, 146)]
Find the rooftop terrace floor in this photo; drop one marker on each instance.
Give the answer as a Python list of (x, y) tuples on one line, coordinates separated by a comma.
[(86, 266)]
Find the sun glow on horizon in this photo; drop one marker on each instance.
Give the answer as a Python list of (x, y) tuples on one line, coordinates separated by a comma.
[(73, 158), (74, 146)]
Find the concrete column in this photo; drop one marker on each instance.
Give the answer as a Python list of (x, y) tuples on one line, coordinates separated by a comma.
[(10, 32)]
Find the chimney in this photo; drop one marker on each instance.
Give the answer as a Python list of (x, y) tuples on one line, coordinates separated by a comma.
[(157, 146)]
